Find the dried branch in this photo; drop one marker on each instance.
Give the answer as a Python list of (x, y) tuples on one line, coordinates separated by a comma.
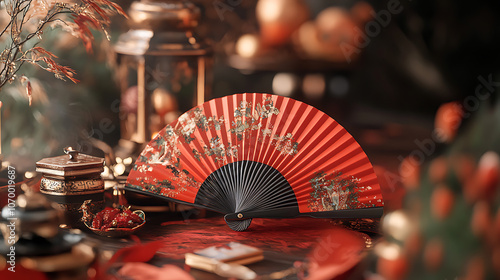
[(80, 18)]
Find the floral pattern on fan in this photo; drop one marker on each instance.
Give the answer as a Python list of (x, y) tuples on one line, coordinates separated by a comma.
[(248, 117), (193, 119), (333, 192), (164, 150)]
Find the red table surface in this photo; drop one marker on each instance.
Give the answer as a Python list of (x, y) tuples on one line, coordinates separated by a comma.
[(284, 241)]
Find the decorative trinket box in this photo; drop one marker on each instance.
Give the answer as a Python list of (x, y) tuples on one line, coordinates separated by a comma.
[(71, 179)]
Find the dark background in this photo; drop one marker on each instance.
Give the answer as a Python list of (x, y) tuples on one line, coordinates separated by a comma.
[(430, 53)]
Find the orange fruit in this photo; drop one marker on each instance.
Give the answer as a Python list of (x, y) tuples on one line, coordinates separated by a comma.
[(475, 269), (438, 170), (433, 254), (448, 119), (442, 201), (481, 218), (413, 244), (488, 174), (393, 269), (409, 170)]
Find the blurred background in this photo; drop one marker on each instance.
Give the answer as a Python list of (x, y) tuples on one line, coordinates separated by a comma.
[(371, 65), (362, 62)]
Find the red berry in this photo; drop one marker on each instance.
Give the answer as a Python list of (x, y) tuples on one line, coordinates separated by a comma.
[(393, 269), (481, 219), (475, 269), (438, 170), (433, 254), (413, 244), (488, 174), (448, 119), (442, 202), (409, 170)]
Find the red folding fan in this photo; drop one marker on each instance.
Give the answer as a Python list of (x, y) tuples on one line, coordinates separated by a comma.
[(259, 156)]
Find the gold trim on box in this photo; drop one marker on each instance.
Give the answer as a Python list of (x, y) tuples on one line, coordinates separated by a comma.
[(67, 173), (79, 187)]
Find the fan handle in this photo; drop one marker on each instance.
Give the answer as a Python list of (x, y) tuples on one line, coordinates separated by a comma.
[(292, 212)]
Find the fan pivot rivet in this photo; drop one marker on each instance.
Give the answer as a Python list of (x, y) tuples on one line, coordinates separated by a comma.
[(240, 216)]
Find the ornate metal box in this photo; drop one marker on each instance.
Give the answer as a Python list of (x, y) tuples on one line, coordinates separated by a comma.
[(71, 179)]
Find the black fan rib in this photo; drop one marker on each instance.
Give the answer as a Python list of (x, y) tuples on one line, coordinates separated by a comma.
[(245, 186)]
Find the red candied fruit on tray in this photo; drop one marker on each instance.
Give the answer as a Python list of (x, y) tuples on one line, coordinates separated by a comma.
[(116, 218)]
